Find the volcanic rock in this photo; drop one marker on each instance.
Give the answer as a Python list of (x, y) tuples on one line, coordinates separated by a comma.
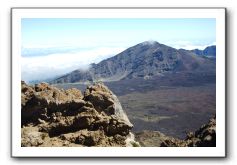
[(203, 137), (57, 117)]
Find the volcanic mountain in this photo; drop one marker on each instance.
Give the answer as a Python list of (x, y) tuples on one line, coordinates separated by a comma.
[(143, 60)]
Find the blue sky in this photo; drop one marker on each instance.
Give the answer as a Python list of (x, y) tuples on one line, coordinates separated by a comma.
[(89, 33), (92, 40)]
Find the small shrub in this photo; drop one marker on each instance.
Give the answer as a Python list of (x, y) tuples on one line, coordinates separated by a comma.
[(135, 144)]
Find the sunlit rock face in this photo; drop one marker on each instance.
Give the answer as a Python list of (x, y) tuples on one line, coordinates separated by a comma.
[(57, 117)]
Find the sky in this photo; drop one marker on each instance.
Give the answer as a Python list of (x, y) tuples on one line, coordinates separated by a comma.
[(55, 46)]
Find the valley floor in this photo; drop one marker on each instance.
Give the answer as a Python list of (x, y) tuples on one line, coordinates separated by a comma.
[(173, 104), (172, 111)]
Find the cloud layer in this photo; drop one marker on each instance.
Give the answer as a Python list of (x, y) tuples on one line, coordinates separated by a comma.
[(56, 64), (190, 45)]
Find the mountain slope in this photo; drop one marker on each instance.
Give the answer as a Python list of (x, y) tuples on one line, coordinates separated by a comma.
[(142, 60)]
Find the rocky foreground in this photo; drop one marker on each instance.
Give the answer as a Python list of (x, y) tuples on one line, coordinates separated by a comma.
[(203, 137), (53, 117), (56, 117)]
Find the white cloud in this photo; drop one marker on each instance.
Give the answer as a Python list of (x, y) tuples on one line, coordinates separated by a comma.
[(189, 45), (52, 65)]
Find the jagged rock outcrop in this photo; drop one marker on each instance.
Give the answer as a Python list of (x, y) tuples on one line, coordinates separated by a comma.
[(203, 137), (57, 117)]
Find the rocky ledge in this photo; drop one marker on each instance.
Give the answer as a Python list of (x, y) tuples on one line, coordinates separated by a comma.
[(203, 137), (57, 117)]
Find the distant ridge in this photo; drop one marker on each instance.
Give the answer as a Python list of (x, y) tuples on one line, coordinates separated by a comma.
[(208, 51)]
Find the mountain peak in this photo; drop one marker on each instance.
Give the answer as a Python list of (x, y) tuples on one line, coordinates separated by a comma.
[(149, 42)]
